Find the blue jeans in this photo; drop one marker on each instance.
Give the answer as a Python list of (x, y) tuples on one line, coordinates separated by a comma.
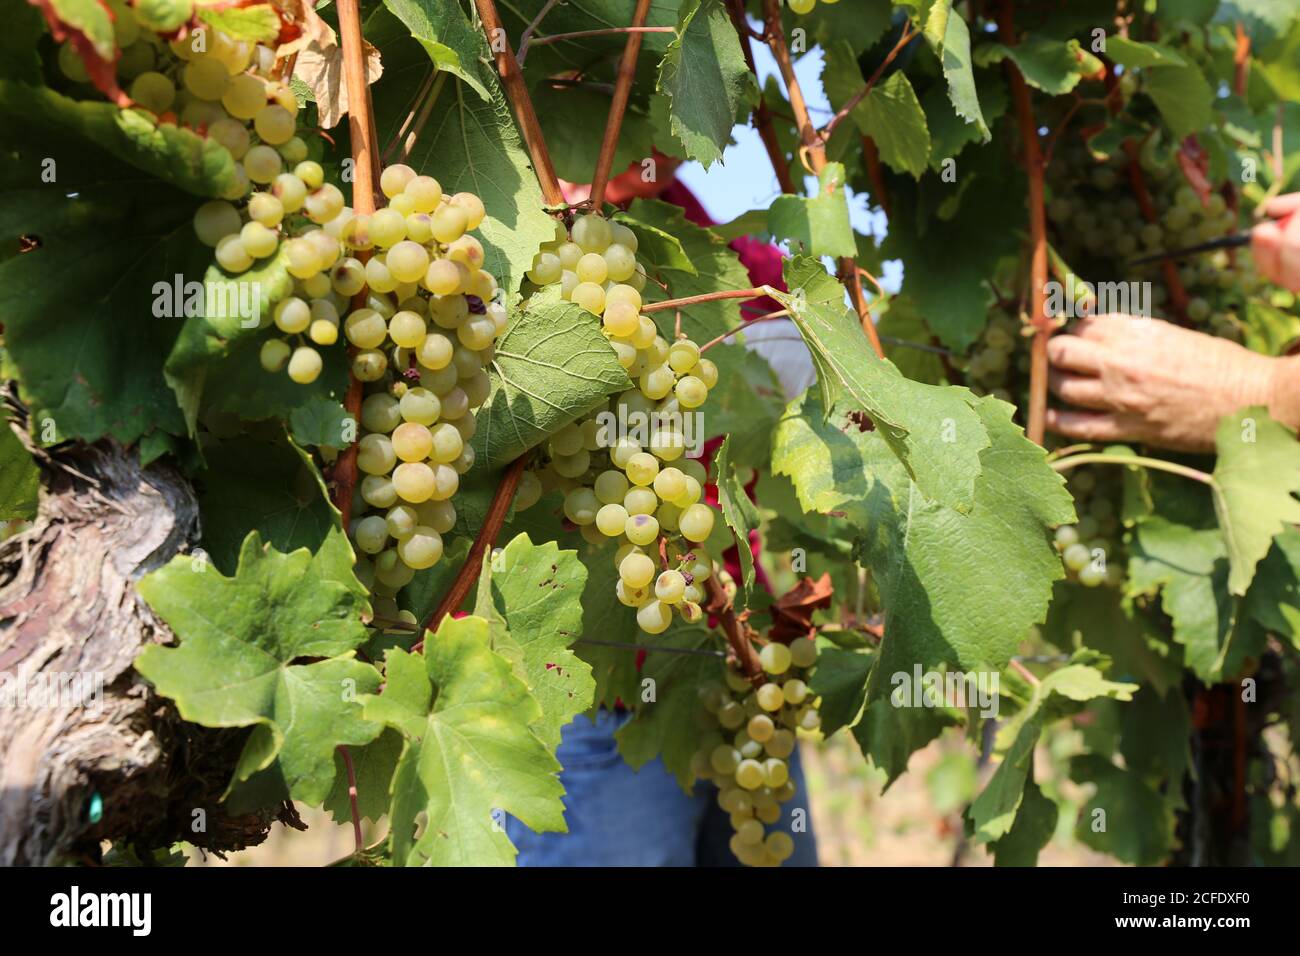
[(621, 817)]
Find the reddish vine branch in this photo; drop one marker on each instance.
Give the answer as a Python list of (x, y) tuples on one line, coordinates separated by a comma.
[(762, 115), (815, 149), (487, 536), (602, 32), (1037, 235), (365, 160), (618, 104), (906, 37), (512, 79), (705, 297)]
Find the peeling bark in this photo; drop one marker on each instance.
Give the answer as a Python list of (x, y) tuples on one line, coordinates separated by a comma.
[(103, 745)]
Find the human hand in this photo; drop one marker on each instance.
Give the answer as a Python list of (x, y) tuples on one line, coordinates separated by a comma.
[(1276, 247), (1148, 381)]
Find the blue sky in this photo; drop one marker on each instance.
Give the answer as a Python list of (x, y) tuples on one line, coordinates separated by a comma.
[(744, 179)]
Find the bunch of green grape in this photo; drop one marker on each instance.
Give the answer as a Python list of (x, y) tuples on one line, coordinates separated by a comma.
[(622, 488), (1099, 226), (423, 340), (751, 733), (999, 363), (1092, 550)]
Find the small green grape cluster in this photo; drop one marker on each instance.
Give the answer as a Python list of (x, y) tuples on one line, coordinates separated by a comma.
[(806, 6), (751, 733), (1091, 549), (423, 339), (999, 364)]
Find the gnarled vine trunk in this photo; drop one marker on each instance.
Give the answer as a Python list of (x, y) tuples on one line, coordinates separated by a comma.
[(89, 752)]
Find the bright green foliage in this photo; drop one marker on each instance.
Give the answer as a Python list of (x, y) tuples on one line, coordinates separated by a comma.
[(450, 40), (257, 22), (469, 754), (531, 596), (1257, 479), (739, 513), (1125, 817), (19, 479), (1047, 65), (817, 226), (890, 114), (705, 77), (552, 366), (239, 637)]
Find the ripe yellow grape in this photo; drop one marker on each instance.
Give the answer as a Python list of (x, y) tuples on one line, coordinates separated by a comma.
[(305, 365)]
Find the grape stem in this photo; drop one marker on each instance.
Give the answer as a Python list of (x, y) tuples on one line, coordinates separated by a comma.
[(604, 31), (365, 160), (526, 36), (1043, 326), (762, 115), (352, 795), (1024, 672), (1155, 464), (706, 297), (618, 104), (782, 314), (512, 78), (741, 646), (907, 36), (814, 148), (487, 535)]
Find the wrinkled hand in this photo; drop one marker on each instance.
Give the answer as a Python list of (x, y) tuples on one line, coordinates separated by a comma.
[(1276, 249), (1148, 381)]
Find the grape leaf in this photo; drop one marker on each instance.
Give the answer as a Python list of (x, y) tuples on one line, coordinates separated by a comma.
[(106, 234), (469, 144), (706, 79), (934, 431), (531, 597), (373, 765), (469, 751), (1033, 829), (257, 22), (957, 70), (613, 660), (1256, 479), (89, 18), (1132, 53), (949, 132), (238, 638), (739, 513), (1274, 596), (1048, 65), (322, 421), (574, 147), (666, 724), (448, 38), (657, 246), (1138, 822), (840, 680), (272, 488), (552, 365), (818, 226), (20, 482), (20, 57), (1182, 95), (943, 575), (889, 735), (890, 114)]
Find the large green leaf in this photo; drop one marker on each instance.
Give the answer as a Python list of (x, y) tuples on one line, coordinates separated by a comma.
[(706, 79), (452, 43), (818, 226), (1034, 827), (1048, 65), (470, 751), (239, 637), (934, 431), (890, 114), (1274, 596), (1182, 95), (552, 366), (469, 144), (840, 680), (106, 235), (1125, 817), (889, 735), (956, 58), (612, 635), (531, 596), (1257, 479)]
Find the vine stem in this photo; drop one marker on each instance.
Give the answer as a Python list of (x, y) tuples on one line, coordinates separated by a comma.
[(602, 32), (1024, 672), (1037, 235), (707, 297), (365, 162), (526, 36), (907, 36), (1155, 464), (512, 78), (487, 535), (741, 646), (352, 796), (815, 149), (762, 115), (618, 104), (782, 314)]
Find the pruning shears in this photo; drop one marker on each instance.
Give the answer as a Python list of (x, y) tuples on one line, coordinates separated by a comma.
[(1230, 241)]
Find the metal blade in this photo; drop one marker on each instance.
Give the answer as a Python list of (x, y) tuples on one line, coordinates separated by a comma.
[(1224, 242)]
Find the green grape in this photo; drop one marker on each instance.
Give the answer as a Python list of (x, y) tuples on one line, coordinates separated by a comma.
[(215, 220), (592, 233), (153, 91), (749, 774), (274, 354), (696, 522), (641, 529), (775, 658), (724, 759), (611, 519), (380, 413), (770, 697), (305, 365), (1076, 557), (781, 743), (670, 587), (636, 570), (760, 727), (795, 691), (232, 256)]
